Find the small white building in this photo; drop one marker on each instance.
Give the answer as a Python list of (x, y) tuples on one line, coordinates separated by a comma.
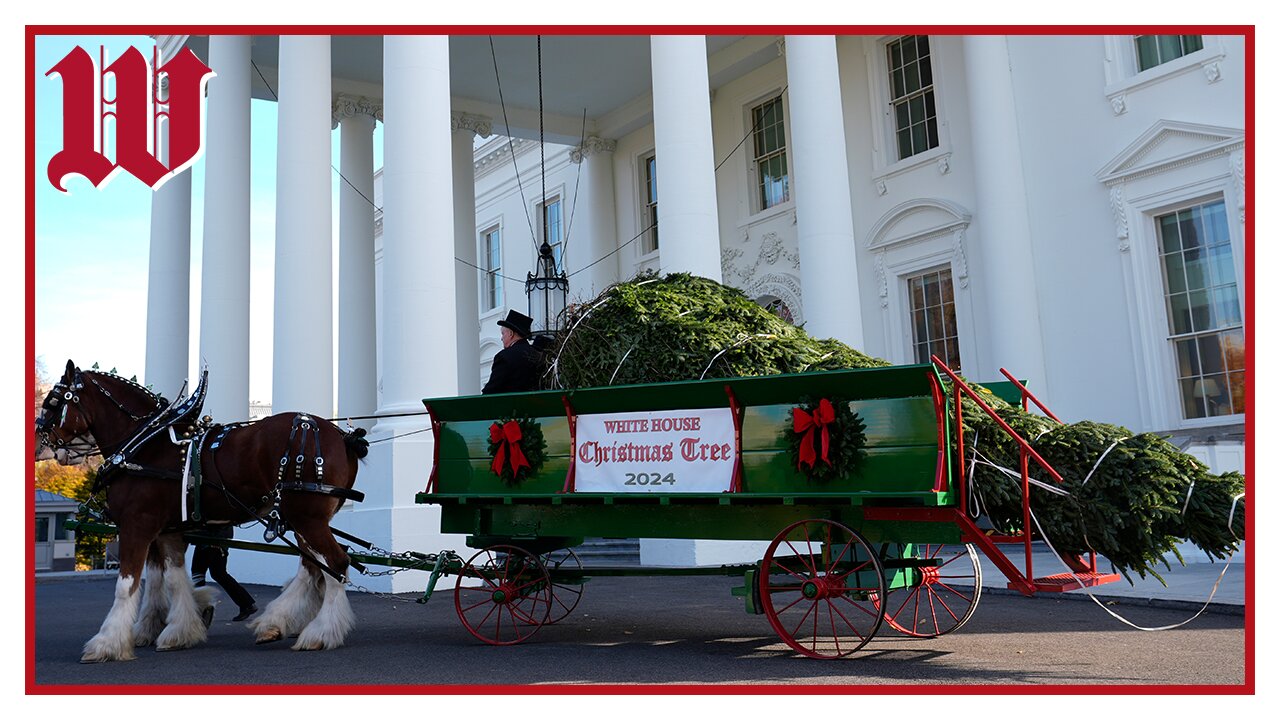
[(55, 546), (1071, 208)]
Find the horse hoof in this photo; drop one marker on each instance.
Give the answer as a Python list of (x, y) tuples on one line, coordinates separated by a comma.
[(269, 636)]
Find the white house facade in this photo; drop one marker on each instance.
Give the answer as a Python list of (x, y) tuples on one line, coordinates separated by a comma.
[(1071, 208)]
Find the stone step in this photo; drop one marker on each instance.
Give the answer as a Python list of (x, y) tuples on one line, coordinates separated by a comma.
[(602, 551)]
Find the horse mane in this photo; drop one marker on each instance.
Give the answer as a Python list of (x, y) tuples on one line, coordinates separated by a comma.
[(143, 393)]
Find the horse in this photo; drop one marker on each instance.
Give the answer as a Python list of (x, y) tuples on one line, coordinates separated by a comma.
[(166, 471)]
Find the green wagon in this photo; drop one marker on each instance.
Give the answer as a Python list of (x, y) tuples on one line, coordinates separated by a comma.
[(528, 476)]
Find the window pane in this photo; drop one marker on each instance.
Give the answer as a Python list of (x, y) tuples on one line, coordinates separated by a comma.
[(920, 325), (60, 532), (1175, 280), (1210, 354), (1233, 349), (1226, 307), (904, 143), (1217, 394), (931, 296), (1197, 267), (42, 529), (1170, 47), (1215, 223), (895, 54), (926, 73), (1201, 315), (908, 50), (1222, 270), (932, 126), (919, 138), (1147, 57), (917, 109), (903, 115), (917, 292), (1187, 227), (1169, 234), (912, 72), (1192, 43), (953, 354), (1188, 359), (1192, 404), (922, 46), (1180, 313), (1237, 392)]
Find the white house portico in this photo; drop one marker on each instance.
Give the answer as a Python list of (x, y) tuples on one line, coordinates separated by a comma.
[(1070, 207)]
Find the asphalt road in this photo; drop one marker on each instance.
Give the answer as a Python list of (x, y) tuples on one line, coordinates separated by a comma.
[(657, 631)]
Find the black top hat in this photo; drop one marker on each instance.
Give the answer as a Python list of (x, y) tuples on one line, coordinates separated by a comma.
[(518, 322)]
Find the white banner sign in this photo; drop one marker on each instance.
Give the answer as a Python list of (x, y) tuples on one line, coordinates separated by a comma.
[(675, 451)]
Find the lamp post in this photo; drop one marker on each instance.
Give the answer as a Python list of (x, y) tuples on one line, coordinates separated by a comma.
[(548, 294)]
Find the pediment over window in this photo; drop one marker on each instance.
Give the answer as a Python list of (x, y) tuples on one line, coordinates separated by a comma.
[(917, 220), (1167, 145)]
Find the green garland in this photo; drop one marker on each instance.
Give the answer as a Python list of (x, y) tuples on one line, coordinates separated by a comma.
[(532, 445), (847, 439)]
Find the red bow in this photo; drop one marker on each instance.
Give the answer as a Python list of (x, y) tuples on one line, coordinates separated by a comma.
[(507, 435), (803, 422)]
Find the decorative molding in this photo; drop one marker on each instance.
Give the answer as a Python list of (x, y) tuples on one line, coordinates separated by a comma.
[(1213, 72), (345, 106), (944, 164), (591, 146), (781, 45), (772, 250), (727, 256), (1120, 211), (1237, 174), (1164, 147), (501, 153), (959, 260), (792, 215), (881, 188), (479, 124), (1118, 104), (882, 280), (785, 287), (930, 218)]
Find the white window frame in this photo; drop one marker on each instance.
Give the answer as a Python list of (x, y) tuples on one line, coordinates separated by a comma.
[(884, 141), (555, 194), (483, 255), (751, 201), (1120, 61), (905, 279), (1139, 192), (644, 250), (912, 238)]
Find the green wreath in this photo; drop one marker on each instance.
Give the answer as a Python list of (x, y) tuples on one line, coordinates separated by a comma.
[(830, 420), (518, 449)]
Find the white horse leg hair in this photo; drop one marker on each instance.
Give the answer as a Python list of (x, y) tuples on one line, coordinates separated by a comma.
[(183, 626), (330, 627), (297, 604), (155, 606), (114, 640)]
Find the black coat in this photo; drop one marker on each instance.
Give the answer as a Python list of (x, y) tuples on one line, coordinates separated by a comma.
[(515, 369)]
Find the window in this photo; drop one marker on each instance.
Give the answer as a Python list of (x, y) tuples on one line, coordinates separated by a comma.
[(933, 317), (553, 229), (60, 531), (650, 203), (778, 307), (773, 186), (911, 94), (491, 277), (1206, 326), (1156, 50), (42, 529)]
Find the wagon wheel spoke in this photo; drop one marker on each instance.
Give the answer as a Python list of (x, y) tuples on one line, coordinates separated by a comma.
[(806, 632), (515, 585), (937, 598)]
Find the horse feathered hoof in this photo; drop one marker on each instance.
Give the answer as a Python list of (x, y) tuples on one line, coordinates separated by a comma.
[(268, 635), (97, 652)]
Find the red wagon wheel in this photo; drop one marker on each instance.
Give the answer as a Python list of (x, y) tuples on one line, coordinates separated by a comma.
[(946, 596), (513, 599), (566, 593), (818, 582)]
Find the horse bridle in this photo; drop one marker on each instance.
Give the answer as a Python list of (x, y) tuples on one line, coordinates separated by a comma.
[(59, 401)]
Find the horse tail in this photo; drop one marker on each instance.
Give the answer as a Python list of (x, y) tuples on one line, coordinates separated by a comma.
[(357, 446)]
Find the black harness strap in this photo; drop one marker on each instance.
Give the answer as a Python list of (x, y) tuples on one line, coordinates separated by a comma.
[(322, 489)]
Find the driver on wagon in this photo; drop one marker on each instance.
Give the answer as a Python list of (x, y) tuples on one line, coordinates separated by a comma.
[(515, 367)]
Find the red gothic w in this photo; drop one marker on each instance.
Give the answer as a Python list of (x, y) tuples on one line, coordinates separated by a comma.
[(137, 111)]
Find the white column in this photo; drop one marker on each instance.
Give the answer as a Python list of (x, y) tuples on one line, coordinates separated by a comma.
[(169, 287), (302, 361), (417, 297), (224, 283), (357, 337), (595, 231), (682, 138), (1001, 221), (824, 208), (465, 128), (418, 289)]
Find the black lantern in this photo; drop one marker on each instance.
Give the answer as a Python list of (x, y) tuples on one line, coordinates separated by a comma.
[(548, 294)]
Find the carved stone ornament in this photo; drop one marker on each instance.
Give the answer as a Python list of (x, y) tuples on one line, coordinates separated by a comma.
[(1237, 174), (478, 124), (772, 250), (882, 280), (1117, 105), (960, 261), (345, 106), (881, 187), (592, 146), (1120, 213), (1212, 72), (944, 164)]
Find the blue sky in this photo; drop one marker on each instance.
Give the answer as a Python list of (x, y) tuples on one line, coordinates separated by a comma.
[(92, 243)]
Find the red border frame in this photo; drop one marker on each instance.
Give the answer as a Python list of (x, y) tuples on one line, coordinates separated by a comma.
[(1248, 33)]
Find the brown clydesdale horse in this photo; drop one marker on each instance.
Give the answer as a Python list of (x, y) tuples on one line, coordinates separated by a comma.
[(293, 466)]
